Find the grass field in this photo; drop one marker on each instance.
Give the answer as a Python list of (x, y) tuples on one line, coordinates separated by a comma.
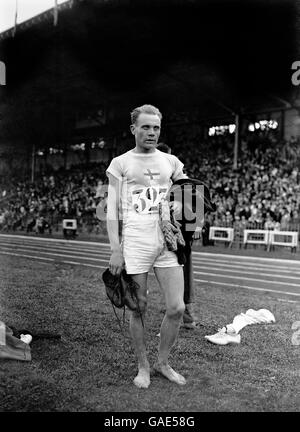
[(92, 367)]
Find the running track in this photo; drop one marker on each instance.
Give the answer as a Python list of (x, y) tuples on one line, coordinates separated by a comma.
[(277, 276)]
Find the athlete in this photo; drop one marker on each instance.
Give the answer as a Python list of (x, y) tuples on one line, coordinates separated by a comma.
[(138, 180)]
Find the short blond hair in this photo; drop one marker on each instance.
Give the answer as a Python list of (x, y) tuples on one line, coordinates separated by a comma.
[(144, 109)]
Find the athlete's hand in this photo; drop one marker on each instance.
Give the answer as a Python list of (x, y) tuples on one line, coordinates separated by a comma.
[(197, 234), (116, 263), (176, 206)]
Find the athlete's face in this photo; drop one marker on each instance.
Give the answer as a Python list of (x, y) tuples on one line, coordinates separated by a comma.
[(146, 131)]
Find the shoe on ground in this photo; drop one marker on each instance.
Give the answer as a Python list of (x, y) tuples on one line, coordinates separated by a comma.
[(224, 337), (26, 338), (189, 316), (189, 325)]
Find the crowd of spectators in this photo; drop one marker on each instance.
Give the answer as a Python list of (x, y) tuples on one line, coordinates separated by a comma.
[(263, 191), (41, 206)]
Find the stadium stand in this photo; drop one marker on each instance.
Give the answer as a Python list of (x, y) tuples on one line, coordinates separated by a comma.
[(262, 193), (43, 204)]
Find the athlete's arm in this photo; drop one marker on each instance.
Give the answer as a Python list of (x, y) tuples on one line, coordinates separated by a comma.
[(113, 202)]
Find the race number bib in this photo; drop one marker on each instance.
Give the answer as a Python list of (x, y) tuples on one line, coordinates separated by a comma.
[(145, 200)]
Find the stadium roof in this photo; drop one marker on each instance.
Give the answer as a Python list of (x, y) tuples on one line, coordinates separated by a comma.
[(21, 11), (216, 56)]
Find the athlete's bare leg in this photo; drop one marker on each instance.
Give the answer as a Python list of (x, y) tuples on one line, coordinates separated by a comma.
[(142, 380), (171, 282)]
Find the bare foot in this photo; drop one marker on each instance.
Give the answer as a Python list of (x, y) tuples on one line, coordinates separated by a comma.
[(142, 380), (169, 373)]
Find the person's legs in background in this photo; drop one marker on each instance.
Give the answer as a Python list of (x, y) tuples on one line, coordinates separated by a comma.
[(189, 317)]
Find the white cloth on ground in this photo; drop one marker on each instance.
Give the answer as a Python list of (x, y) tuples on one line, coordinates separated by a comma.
[(260, 316)]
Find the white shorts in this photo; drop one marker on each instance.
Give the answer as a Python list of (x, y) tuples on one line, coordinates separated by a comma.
[(144, 247)]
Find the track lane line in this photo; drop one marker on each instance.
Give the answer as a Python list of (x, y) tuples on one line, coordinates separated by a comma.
[(52, 248), (60, 255), (26, 256), (99, 256), (25, 249), (242, 272), (247, 257), (247, 287), (56, 240), (206, 254), (218, 269), (196, 272), (249, 279), (198, 261), (152, 274), (249, 264)]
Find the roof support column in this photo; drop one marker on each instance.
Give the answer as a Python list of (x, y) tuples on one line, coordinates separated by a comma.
[(236, 139), (33, 163), (282, 124)]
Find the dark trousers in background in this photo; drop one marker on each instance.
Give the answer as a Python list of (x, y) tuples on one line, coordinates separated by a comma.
[(188, 296)]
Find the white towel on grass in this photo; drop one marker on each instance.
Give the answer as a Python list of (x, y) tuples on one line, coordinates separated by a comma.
[(260, 316)]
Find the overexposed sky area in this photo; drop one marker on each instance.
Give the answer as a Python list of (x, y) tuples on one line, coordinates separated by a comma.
[(26, 10)]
